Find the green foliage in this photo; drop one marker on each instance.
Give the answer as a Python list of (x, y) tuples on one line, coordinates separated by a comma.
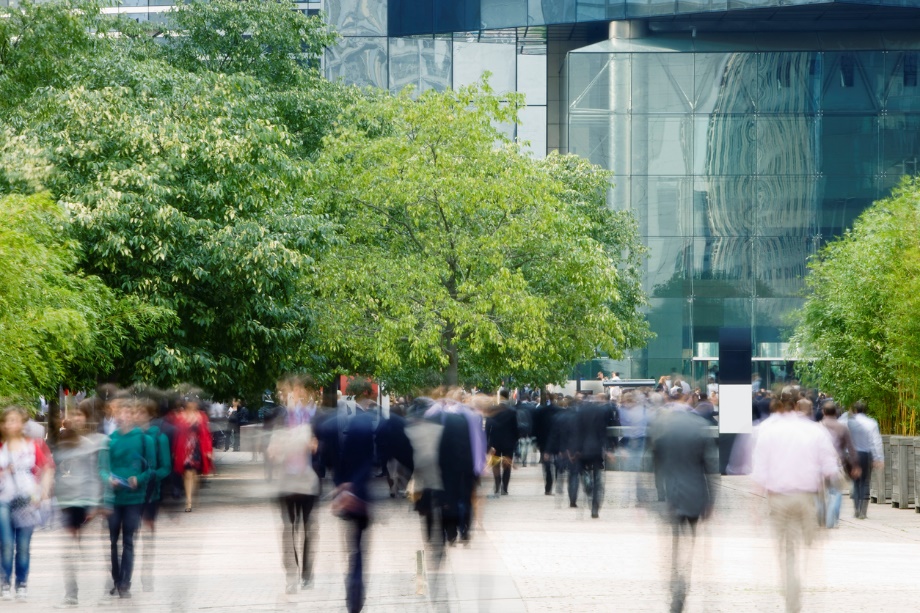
[(54, 321), (266, 38), (187, 178), (465, 256), (40, 44), (859, 326)]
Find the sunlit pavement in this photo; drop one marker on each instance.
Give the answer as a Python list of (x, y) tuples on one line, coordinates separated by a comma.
[(531, 553)]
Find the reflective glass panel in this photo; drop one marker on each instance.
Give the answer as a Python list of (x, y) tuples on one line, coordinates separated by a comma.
[(780, 265), (359, 61), (424, 63), (844, 198), (663, 82), (358, 17), (849, 144), (662, 145), (662, 205), (531, 78), (503, 13), (724, 145), (472, 59), (786, 205), (787, 145)]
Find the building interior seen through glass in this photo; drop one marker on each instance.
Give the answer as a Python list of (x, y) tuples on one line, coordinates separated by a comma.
[(739, 164)]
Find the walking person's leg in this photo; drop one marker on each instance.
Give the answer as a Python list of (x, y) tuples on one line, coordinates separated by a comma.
[(189, 482), (131, 523), (6, 550), (354, 583), (309, 535), (115, 520), (23, 539)]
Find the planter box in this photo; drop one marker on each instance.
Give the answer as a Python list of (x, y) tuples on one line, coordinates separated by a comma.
[(903, 471), (880, 486)]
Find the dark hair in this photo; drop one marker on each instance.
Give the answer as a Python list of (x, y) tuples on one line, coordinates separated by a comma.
[(859, 407), (359, 387), (89, 407), (504, 393), (829, 407)]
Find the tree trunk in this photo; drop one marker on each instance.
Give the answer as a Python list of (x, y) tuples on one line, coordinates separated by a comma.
[(451, 376)]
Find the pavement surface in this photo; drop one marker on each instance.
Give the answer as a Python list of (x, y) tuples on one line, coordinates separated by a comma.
[(529, 553)]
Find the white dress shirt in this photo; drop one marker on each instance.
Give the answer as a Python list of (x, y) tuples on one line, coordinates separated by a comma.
[(792, 454)]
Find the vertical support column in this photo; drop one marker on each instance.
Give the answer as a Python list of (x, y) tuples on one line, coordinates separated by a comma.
[(734, 390)]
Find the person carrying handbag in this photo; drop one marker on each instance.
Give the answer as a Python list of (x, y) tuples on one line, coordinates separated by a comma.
[(26, 478)]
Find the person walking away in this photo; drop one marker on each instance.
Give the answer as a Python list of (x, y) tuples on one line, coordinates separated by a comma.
[(868, 442), (687, 459), (849, 460), (238, 417), (591, 420), (291, 449), (543, 419), (125, 471), (192, 455), (26, 477), (502, 436), (77, 487), (351, 500), (162, 467), (792, 458)]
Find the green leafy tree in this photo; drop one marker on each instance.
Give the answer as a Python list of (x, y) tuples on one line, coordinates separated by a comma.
[(462, 255), (859, 331), (56, 325), (185, 169)]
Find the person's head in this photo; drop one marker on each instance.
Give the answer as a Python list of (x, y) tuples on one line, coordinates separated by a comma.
[(859, 407), (676, 393), (504, 394), (83, 413), (804, 406), (12, 421), (786, 400), (829, 408), (123, 409), (360, 388)]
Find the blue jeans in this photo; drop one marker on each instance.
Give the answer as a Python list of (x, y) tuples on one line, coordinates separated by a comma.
[(13, 539), (124, 520)]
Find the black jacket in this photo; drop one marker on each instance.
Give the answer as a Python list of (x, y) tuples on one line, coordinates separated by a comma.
[(502, 431)]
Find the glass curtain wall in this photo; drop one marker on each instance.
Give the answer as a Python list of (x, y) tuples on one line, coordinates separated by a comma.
[(739, 165), (367, 56)]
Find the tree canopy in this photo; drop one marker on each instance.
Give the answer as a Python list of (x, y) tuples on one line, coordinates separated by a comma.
[(859, 330), (464, 255)]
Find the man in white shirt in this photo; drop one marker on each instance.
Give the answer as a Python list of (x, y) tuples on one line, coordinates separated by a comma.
[(870, 455), (792, 457)]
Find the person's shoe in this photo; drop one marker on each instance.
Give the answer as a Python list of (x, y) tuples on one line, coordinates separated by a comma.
[(113, 591), (504, 492), (306, 584), (124, 592), (21, 592), (572, 505), (291, 588), (594, 515), (69, 602), (6, 593)]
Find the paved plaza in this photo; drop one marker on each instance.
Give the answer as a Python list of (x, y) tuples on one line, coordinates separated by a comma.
[(530, 553)]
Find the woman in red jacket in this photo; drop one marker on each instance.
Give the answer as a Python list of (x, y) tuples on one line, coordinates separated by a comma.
[(192, 453)]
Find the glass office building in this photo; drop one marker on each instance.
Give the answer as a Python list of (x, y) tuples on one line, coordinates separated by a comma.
[(743, 134)]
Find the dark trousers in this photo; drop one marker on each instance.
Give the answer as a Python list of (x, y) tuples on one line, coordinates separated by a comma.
[(354, 581), (502, 474), (861, 485), (682, 541), (549, 467), (296, 536), (124, 520), (592, 471)]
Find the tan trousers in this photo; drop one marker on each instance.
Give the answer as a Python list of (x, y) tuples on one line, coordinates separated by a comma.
[(794, 523)]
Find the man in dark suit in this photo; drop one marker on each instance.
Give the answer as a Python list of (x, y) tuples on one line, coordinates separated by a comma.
[(591, 419), (543, 419), (502, 438), (351, 500), (687, 459)]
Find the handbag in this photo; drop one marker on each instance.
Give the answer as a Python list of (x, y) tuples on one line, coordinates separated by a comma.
[(24, 514)]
